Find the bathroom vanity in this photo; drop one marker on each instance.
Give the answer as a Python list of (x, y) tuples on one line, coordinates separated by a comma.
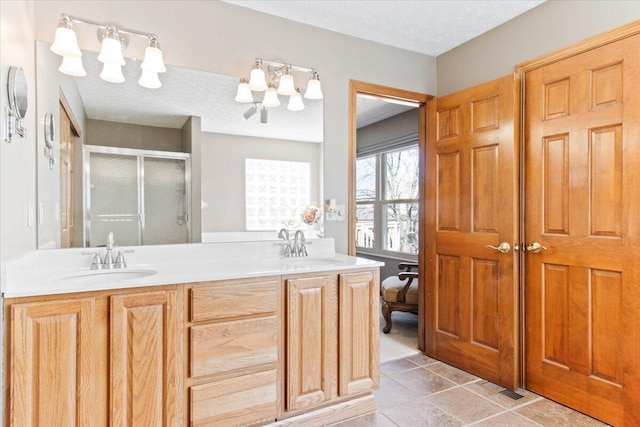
[(244, 338)]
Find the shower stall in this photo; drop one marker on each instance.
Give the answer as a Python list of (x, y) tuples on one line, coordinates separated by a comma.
[(142, 196)]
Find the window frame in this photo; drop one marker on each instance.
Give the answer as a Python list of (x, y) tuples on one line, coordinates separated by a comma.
[(380, 202)]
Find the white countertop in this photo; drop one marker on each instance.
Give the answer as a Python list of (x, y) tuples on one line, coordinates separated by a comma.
[(48, 272)]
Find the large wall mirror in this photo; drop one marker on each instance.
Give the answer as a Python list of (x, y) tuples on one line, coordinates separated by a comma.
[(182, 163)]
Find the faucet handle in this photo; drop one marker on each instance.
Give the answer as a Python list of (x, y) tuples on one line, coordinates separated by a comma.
[(120, 262), (96, 262)]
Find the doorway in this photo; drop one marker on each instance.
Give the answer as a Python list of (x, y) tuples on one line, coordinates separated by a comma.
[(386, 148)]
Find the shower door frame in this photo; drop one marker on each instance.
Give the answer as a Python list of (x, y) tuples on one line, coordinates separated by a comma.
[(140, 156)]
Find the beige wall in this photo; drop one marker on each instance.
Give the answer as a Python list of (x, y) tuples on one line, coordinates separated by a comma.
[(545, 28), (223, 158), (125, 135), (397, 126), (17, 160)]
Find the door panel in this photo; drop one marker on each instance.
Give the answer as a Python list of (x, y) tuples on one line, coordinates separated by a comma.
[(312, 346), (582, 152), (471, 289)]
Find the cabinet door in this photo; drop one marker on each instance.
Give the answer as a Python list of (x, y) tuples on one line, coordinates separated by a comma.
[(146, 359), (312, 343), (52, 363), (359, 329)]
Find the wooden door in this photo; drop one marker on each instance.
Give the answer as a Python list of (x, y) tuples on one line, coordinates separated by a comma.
[(312, 327), (582, 145), (359, 331), (470, 289), (52, 366), (146, 359), (67, 177)]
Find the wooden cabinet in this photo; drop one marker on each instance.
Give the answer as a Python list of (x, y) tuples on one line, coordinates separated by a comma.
[(312, 316), (146, 359), (319, 309), (202, 354), (359, 332), (95, 359), (235, 352), (52, 363)]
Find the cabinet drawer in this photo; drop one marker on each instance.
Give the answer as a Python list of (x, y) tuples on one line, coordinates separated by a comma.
[(234, 299), (228, 346), (239, 401)]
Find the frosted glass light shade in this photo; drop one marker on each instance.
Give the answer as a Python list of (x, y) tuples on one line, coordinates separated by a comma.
[(314, 91), (66, 43), (286, 86), (257, 81), (271, 98), (153, 60), (244, 94), (112, 73), (295, 102), (111, 52), (72, 66), (149, 79)]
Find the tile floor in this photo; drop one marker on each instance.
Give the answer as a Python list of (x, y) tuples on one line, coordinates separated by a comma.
[(419, 391), (416, 390)]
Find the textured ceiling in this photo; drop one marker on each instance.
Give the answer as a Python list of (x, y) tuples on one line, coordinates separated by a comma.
[(372, 110), (185, 93), (431, 27)]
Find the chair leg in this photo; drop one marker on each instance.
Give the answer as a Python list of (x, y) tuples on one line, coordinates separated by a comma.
[(386, 313)]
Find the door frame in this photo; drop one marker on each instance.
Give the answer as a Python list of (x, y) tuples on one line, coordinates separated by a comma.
[(520, 72), (358, 87)]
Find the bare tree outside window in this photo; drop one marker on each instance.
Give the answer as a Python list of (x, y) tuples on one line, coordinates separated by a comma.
[(387, 201)]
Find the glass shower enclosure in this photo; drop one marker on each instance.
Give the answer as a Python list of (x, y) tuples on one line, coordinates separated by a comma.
[(141, 196)]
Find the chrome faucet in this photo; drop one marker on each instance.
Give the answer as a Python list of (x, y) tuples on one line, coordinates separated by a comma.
[(107, 262), (299, 248), (284, 235)]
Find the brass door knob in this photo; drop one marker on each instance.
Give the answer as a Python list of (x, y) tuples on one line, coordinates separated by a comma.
[(535, 247), (503, 247)]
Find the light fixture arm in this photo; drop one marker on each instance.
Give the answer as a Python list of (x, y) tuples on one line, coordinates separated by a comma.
[(276, 64), (70, 18)]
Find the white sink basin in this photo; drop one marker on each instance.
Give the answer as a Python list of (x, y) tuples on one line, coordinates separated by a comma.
[(101, 277), (310, 262)]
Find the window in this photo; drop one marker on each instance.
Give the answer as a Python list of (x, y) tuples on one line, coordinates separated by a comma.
[(387, 201), (275, 190)]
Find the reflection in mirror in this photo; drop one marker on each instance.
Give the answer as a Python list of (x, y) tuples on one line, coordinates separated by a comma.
[(193, 113)]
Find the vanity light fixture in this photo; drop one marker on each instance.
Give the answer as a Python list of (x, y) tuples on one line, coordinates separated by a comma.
[(113, 40), (271, 97), (244, 95), (257, 80), (295, 102), (286, 86), (279, 75), (257, 106)]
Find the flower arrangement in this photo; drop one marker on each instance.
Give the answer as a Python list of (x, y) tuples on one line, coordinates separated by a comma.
[(310, 215)]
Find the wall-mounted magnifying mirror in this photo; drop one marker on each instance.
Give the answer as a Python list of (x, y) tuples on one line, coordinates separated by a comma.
[(18, 102)]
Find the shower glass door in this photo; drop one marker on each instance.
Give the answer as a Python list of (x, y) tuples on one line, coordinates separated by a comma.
[(113, 202), (165, 201), (141, 196)]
